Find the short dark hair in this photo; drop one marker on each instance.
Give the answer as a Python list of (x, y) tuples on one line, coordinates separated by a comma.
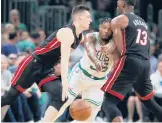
[(12, 35), (131, 2), (35, 35), (105, 20), (79, 8)]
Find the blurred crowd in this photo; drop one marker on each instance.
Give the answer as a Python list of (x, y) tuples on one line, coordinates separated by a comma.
[(17, 42)]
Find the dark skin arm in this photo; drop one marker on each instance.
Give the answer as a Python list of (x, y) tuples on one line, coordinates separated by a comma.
[(89, 45), (117, 25)]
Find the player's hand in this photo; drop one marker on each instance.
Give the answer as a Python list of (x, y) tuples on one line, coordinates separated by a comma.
[(98, 65), (64, 91)]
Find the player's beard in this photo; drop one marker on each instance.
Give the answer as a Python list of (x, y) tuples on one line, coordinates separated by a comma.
[(108, 39)]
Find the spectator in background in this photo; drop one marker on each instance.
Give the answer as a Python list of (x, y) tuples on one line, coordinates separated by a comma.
[(26, 44), (6, 30), (15, 20), (12, 58), (153, 30), (42, 35), (57, 2), (35, 38), (133, 101), (156, 79), (20, 110), (6, 75), (10, 47), (102, 4), (160, 57), (4, 35), (33, 95), (43, 2), (25, 36), (153, 59), (9, 28), (20, 57), (158, 48)]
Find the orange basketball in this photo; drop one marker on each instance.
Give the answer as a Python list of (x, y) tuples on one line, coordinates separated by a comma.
[(80, 110)]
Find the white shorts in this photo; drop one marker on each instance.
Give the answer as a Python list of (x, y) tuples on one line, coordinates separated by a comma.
[(89, 88)]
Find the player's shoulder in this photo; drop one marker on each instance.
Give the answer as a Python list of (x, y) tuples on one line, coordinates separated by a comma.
[(65, 33), (92, 35), (120, 21), (65, 30), (89, 38)]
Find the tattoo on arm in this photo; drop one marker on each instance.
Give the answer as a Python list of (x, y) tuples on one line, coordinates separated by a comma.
[(89, 46)]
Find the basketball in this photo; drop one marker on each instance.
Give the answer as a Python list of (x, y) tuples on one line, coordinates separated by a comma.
[(80, 110)]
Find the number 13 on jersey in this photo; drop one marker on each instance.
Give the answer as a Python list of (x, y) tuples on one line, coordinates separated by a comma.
[(141, 37)]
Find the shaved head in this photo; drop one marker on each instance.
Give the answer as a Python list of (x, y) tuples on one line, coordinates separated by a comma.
[(78, 10), (130, 2)]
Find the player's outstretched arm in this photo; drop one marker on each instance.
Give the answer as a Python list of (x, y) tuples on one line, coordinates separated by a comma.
[(118, 24), (89, 45), (66, 37)]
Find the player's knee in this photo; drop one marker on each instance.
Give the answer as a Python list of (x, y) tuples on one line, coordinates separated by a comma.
[(137, 99), (131, 99), (10, 97)]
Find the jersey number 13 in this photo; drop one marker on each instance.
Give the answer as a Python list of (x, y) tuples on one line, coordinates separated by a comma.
[(141, 37)]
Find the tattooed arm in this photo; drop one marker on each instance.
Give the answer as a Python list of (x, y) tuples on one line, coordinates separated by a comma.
[(89, 45)]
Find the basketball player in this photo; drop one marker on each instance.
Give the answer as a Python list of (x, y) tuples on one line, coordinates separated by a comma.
[(130, 33), (89, 75), (37, 66)]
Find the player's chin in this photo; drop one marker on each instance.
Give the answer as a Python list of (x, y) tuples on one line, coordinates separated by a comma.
[(87, 27)]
